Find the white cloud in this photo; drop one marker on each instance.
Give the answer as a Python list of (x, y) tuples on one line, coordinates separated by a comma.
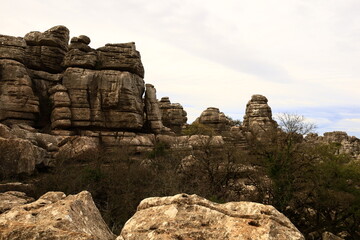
[(302, 55)]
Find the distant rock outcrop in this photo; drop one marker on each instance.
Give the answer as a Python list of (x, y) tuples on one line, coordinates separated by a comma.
[(191, 217), (173, 115), (53, 216), (258, 115), (347, 144), (215, 119)]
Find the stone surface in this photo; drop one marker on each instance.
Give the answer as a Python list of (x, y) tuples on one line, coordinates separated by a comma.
[(17, 99), (55, 216), (173, 115), (17, 156), (42, 82), (80, 54), (77, 58), (107, 99), (23, 149), (45, 51), (60, 101), (153, 114), (12, 48), (12, 199), (191, 217), (258, 115), (78, 148), (215, 119), (121, 56)]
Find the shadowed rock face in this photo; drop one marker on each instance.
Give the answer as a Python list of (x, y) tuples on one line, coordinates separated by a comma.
[(45, 51), (191, 217), (17, 100), (53, 216), (258, 115), (173, 115)]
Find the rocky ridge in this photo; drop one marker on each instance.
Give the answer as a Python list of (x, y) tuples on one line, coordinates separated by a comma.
[(57, 216)]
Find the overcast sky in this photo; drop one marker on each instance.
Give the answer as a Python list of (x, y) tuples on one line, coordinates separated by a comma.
[(303, 55)]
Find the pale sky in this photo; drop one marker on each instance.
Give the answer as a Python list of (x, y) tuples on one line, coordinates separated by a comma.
[(303, 55)]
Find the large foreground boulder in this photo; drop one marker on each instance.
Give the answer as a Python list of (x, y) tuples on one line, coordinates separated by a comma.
[(191, 217), (55, 216)]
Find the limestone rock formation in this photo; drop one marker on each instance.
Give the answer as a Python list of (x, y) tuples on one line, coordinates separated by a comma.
[(215, 119), (122, 57), (12, 48), (191, 217), (55, 216), (17, 100), (108, 98), (173, 115), (153, 114), (45, 82), (258, 115), (80, 54), (45, 51), (347, 144)]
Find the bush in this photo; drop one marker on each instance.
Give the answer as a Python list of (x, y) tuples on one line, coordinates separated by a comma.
[(198, 129)]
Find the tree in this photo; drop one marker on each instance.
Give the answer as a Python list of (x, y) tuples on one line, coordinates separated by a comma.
[(295, 124), (317, 188)]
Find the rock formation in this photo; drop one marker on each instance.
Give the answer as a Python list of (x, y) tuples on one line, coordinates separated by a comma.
[(347, 144), (18, 102), (52, 216), (47, 83), (173, 115), (215, 119), (153, 116), (191, 217), (258, 115)]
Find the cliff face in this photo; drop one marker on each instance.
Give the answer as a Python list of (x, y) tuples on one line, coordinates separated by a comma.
[(45, 82)]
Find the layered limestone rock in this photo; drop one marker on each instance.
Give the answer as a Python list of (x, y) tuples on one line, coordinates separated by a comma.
[(55, 216), (45, 51), (173, 115), (191, 217), (153, 114), (347, 144), (80, 54), (12, 48), (60, 102), (120, 56), (258, 115), (215, 119), (107, 99), (18, 102)]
